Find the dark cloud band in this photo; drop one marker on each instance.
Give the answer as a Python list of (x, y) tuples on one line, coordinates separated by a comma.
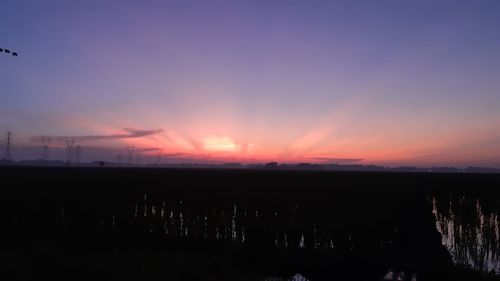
[(127, 134)]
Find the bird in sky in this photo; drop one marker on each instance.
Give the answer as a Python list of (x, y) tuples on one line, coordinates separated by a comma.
[(7, 51)]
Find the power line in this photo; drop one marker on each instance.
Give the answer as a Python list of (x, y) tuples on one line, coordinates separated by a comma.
[(160, 154), (45, 145), (78, 154), (119, 158), (8, 143), (138, 158), (69, 145), (130, 151)]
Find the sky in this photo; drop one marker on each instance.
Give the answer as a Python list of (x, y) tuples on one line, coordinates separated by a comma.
[(388, 82)]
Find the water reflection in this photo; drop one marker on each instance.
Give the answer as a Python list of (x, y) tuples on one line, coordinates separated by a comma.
[(398, 276), (362, 227), (279, 226), (469, 232)]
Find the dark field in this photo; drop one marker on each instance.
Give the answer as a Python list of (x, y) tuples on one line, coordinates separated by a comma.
[(178, 224)]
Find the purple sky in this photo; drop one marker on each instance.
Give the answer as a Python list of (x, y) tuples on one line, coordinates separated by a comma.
[(393, 82)]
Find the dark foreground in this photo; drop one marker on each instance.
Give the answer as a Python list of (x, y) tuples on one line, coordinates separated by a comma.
[(173, 224)]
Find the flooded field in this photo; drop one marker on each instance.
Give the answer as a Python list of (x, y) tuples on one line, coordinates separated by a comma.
[(469, 232), (250, 224)]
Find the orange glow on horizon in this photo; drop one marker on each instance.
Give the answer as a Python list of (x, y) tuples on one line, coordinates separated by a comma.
[(325, 141), (219, 144)]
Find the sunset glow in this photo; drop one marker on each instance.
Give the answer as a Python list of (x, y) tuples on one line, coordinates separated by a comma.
[(263, 82), (219, 144)]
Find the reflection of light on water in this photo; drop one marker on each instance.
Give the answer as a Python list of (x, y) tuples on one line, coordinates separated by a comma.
[(391, 276), (302, 242), (232, 222), (471, 236)]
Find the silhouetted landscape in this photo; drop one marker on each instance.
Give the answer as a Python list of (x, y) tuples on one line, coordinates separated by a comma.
[(258, 166), (250, 140), (212, 224)]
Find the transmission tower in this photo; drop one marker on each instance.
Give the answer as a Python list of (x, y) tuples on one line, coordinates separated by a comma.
[(159, 154), (69, 145), (45, 145), (130, 152), (8, 143), (138, 158), (78, 154), (119, 158)]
